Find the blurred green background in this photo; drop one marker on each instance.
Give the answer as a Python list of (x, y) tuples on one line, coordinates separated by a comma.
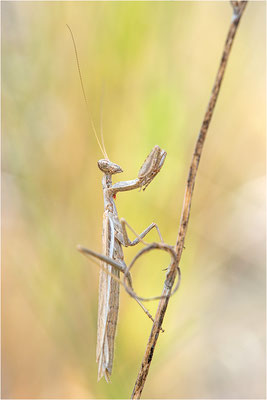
[(156, 62)]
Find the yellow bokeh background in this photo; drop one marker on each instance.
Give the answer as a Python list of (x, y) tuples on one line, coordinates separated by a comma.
[(155, 64)]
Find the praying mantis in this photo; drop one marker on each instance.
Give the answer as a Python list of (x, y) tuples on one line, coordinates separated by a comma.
[(114, 236)]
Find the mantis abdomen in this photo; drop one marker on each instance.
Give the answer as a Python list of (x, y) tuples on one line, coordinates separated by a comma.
[(108, 305)]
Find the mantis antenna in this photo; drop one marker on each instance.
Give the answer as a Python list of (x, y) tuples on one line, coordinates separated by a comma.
[(102, 147), (101, 122)]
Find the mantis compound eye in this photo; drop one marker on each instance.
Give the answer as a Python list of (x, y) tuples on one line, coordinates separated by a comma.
[(109, 167)]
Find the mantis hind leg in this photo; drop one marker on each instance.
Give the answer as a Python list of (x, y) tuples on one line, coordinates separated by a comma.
[(121, 267)]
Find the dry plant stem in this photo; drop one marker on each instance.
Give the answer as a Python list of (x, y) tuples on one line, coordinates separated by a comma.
[(238, 9)]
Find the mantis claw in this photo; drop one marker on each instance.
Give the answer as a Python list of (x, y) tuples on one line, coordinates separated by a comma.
[(152, 165)]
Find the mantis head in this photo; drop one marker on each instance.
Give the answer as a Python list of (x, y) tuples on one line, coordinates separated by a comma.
[(108, 167)]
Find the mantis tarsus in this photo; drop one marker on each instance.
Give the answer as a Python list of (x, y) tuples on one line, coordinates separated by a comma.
[(115, 236)]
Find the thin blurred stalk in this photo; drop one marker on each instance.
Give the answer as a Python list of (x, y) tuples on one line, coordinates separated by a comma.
[(238, 9)]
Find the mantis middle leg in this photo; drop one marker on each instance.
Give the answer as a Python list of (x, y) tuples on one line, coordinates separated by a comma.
[(139, 238)]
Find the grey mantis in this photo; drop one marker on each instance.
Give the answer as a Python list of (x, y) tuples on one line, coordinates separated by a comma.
[(114, 236)]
